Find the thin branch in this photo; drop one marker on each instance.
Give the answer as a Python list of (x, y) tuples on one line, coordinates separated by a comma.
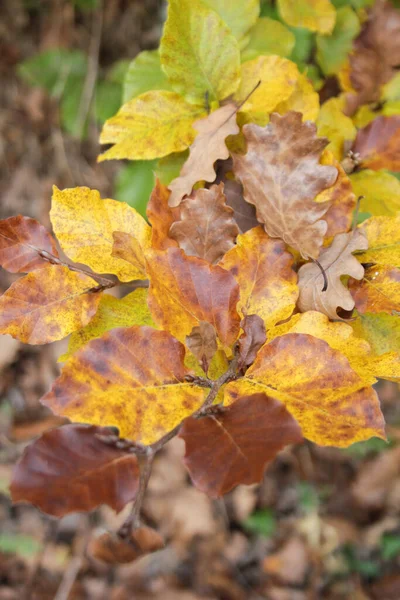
[(133, 520)]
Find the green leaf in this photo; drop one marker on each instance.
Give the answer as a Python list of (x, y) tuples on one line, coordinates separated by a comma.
[(198, 52), (308, 496), (390, 546), (380, 192), (144, 74), (70, 106), (304, 43), (268, 37), (361, 450), (332, 50), (118, 71), (169, 167), (262, 522), (22, 545), (134, 182), (52, 69), (107, 99), (238, 15)]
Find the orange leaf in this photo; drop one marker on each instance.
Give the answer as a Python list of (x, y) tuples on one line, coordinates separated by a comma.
[(113, 549), (379, 291), (21, 240), (378, 144), (161, 217)]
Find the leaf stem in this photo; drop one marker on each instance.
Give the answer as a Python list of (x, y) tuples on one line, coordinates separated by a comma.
[(133, 520)]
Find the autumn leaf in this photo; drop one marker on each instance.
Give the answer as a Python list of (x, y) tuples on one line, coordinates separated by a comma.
[(131, 378), (380, 192), (333, 50), (21, 241), (202, 342), (185, 290), (381, 330), (198, 52), (252, 339), (379, 290), (206, 228), (154, 124), (316, 15), (111, 313), (281, 176), (113, 549), (336, 260), (263, 270), (304, 99), (144, 74), (336, 126), (235, 446), (208, 147), (238, 18), (47, 305), (244, 213), (84, 225), (70, 469), (268, 36), (316, 384), (161, 217), (378, 144), (383, 235)]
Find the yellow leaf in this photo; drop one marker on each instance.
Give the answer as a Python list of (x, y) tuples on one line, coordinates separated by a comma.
[(380, 191), (334, 125), (304, 99), (268, 36), (150, 126), (263, 270), (383, 235), (131, 378), (379, 290), (364, 116), (330, 401), (84, 225), (111, 313), (238, 15), (316, 15), (382, 331), (198, 52), (47, 305)]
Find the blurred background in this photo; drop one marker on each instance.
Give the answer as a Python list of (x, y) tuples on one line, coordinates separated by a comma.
[(325, 523)]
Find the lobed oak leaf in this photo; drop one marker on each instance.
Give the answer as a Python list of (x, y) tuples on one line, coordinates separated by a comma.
[(379, 290), (185, 290), (323, 393), (161, 216), (47, 305), (383, 235), (378, 144), (131, 378), (235, 446), (21, 241), (207, 227), (84, 225), (202, 342), (316, 15), (208, 147), (70, 469), (382, 331), (263, 270), (113, 549), (336, 260), (380, 192), (281, 176), (253, 338)]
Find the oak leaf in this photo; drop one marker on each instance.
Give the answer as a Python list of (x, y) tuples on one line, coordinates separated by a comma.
[(131, 378), (380, 192), (113, 549), (336, 261), (263, 270), (70, 469), (281, 176), (383, 235), (47, 305), (206, 228), (202, 342), (235, 446), (379, 290), (208, 147), (253, 338), (21, 242), (329, 400), (185, 290), (316, 15), (378, 144), (161, 216)]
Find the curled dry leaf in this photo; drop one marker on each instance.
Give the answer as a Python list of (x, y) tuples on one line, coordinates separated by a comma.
[(336, 260), (379, 291), (21, 241), (207, 227), (234, 446), (202, 342), (378, 144), (70, 469), (161, 217), (252, 339), (281, 176), (208, 147), (113, 549)]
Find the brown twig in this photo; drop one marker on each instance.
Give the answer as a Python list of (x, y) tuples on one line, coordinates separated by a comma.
[(133, 519)]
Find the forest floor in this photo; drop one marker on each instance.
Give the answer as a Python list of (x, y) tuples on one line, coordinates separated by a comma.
[(324, 523)]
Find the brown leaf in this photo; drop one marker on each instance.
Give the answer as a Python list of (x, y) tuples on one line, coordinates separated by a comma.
[(336, 260), (112, 549), (244, 213), (341, 197), (69, 469), (281, 176), (208, 147), (202, 342), (21, 240), (161, 217), (234, 447), (254, 336), (379, 290), (379, 143)]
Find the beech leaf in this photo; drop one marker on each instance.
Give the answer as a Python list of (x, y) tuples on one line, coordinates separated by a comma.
[(238, 18), (336, 126), (383, 235), (252, 339), (206, 228), (303, 99), (380, 191), (316, 15), (161, 217), (378, 144), (70, 469), (268, 36), (235, 446), (379, 290), (202, 342), (281, 176), (131, 378), (336, 260), (382, 331), (21, 241), (208, 147)]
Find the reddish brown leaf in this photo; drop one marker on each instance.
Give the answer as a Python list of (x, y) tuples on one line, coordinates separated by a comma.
[(254, 336), (69, 469), (206, 227), (113, 549), (281, 176), (342, 204), (21, 240), (234, 447), (245, 213), (161, 217), (379, 143), (202, 342)]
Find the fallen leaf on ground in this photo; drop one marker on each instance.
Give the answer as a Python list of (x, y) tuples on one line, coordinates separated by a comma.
[(379, 290), (161, 216), (21, 240), (316, 15), (290, 564), (378, 144), (380, 191), (113, 550), (375, 478), (383, 235)]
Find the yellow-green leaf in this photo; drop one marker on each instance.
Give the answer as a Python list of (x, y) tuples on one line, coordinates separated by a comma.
[(380, 192), (238, 15), (84, 225), (316, 15), (383, 235), (198, 52), (334, 125), (333, 50), (144, 74), (382, 331), (150, 126), (268, 36)]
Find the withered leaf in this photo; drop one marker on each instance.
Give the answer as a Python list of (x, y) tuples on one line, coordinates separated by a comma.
[(253, 338), (202, 342), (336, 260), (207, 148), (206, 228), (113, 549), (235, 446), (70, 469), (161, 217), (245, 213), (342, 202), (281, 176), (379, 290), (21, 241), (378, 144)]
